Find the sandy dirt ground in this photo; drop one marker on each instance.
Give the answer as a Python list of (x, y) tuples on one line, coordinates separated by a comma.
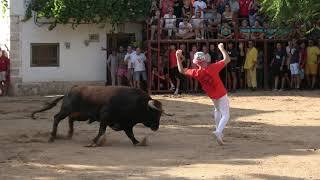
[(270, 136)]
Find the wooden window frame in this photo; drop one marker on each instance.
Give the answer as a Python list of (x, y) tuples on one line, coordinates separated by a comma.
[(57, 64)]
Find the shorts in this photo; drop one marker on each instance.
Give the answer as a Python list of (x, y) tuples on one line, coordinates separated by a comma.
[(294, 68), (138, 74), (174, 73), (3, 76), (311, 69), (122, 72)]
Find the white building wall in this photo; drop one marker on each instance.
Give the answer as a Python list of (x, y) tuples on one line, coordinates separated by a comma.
[(79, 63)]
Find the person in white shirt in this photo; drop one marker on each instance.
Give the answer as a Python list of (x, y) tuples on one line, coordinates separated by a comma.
[(169, 20), (185, 30), (207, 56), (197, 24), (138, 62), (199, 5), (128, 58)]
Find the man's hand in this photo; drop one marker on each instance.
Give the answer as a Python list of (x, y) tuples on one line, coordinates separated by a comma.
[(220, 46), (179, 53)]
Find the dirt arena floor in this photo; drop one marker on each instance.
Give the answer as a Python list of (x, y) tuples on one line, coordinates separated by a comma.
[(270, 136)]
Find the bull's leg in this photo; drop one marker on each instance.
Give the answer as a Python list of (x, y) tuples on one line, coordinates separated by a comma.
[(130, 135), (102, 131), (57, 118), (70, 133)]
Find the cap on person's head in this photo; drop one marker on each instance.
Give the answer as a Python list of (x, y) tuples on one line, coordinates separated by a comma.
[(198, 58)]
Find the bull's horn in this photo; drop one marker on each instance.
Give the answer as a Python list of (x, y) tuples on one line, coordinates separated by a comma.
[(151, 104)]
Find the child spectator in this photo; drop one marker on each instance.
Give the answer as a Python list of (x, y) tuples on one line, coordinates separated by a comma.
[(207, 56)]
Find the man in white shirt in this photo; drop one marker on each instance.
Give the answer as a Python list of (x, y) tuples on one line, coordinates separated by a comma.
[(138, 62), (128, 58)]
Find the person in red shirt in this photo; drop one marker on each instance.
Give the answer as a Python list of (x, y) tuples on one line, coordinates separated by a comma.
[(4, 70), (209, 78), (244, 8)]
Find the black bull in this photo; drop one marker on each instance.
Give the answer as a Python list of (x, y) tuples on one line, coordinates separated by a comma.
[(120, 108)]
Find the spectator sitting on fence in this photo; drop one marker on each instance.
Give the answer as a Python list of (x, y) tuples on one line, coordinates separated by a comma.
[(169, 22), (244, 30), (200, 6), (165, 5), (197, 24), (4, 72), (228, 15), (186, 9), (257, 31), (185, 30), (154, 23), (225, 31), (213, 20), (234, 5)]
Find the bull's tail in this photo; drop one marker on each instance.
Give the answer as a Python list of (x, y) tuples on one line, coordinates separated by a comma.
[(47, 107)]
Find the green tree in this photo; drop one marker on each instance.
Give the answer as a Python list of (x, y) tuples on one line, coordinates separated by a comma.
[(3, 6), (279, 11), (89, 11)]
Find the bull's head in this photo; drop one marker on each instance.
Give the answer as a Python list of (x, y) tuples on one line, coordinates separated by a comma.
[(156, 111)]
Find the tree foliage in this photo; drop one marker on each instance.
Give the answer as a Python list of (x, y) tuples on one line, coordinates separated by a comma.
[(305, 11), (4, 6), (89, 11)]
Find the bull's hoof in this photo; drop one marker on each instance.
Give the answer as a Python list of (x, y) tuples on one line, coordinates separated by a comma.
[(92, 145), (143, 142)]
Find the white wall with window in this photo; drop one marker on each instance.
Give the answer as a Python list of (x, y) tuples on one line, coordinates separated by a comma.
[(77, 58)]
